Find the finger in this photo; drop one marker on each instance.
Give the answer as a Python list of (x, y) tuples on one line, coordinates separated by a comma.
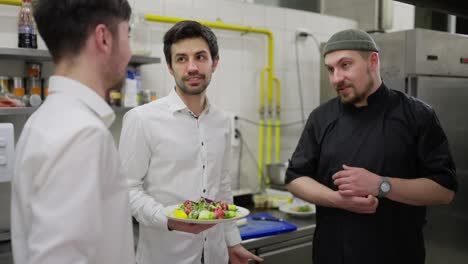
[(363, 201), (339, 175), (372, 198), (346, 167), (376, 202), (344, 187), (255, 257), (343, 174), (346, 192), (250, 255), (373, 202), (336, 175), (340, 181)]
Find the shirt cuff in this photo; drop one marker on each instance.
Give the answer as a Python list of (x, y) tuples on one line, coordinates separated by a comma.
[(160, 219), (232, 235)]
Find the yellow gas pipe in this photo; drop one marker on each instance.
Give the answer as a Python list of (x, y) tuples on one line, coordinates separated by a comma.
[(278, 121), (269, 68), (261, 130), (11, 2)]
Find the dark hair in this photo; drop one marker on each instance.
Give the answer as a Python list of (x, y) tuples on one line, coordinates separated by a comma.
[(189, 29), (64, 25)]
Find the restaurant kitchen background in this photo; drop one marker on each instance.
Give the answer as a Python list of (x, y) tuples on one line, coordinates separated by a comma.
[(268, 73)]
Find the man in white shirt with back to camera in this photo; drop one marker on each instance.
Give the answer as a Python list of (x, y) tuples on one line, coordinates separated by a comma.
[(176, 149), (69, 199)]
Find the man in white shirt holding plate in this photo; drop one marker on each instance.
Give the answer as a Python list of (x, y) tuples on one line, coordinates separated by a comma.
[(176, 149)]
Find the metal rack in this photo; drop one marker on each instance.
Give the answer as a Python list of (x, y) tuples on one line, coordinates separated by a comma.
[(33, 55), (44, 56)]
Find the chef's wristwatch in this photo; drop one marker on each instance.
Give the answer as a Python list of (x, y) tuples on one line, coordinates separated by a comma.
[(384, 187)]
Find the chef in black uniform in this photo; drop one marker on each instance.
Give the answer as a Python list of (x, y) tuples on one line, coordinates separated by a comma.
[(371, 159)]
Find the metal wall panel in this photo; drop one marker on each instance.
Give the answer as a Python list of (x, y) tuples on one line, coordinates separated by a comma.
[(447, 227)]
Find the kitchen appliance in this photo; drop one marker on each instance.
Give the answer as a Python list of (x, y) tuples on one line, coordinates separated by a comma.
[(433, 66), (276, 173)]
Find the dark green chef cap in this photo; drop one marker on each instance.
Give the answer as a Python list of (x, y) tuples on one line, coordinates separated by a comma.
[(350, 39)]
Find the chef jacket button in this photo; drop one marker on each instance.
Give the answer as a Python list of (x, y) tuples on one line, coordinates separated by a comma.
[(202, 143), (204, 190), (205, 239), (203, 166)]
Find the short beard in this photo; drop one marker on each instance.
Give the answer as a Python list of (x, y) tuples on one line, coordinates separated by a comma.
[(358, 97), (184, 89)]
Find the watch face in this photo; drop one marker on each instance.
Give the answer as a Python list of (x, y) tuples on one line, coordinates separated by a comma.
[(385, 187)]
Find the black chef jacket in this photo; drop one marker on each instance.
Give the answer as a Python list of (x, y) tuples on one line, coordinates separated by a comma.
[(394, 135)]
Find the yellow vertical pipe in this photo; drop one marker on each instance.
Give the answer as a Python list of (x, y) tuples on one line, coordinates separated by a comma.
[(11, 2), (278, 141), (261, 109), (261, 131), (278, 121), (260, 152), (269, 139)]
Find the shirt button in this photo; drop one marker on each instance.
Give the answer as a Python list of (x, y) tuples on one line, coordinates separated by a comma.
[(203, 166), (202, 144), (204, 190), (205, 239)]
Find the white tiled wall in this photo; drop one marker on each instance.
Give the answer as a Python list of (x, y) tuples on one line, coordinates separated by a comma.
[(235, 85), (365, 12)]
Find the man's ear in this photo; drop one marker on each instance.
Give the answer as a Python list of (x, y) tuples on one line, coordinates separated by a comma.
[(215, 64), (171, 71), (103, 38), (374, 60)]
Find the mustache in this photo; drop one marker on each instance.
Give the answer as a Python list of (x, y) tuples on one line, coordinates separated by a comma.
[(342, 85), (198, 75)]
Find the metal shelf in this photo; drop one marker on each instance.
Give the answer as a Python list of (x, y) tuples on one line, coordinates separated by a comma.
[(140, 60), (25, 54), (44, 56), (29, 110), (8, 111), (17, 110)]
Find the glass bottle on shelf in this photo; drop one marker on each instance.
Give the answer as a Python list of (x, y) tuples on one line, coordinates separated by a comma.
[(140, 35), (27, 37)]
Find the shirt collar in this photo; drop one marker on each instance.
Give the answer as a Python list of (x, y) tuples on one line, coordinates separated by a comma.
[(379, 96), (176, 103), (87, 96), (376, 99)]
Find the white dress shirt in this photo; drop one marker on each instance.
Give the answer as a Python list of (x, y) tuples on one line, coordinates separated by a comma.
[(69, 198), (170, 156)]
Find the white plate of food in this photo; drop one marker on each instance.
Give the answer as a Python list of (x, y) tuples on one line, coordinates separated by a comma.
[(303, 209), (205, 211)]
